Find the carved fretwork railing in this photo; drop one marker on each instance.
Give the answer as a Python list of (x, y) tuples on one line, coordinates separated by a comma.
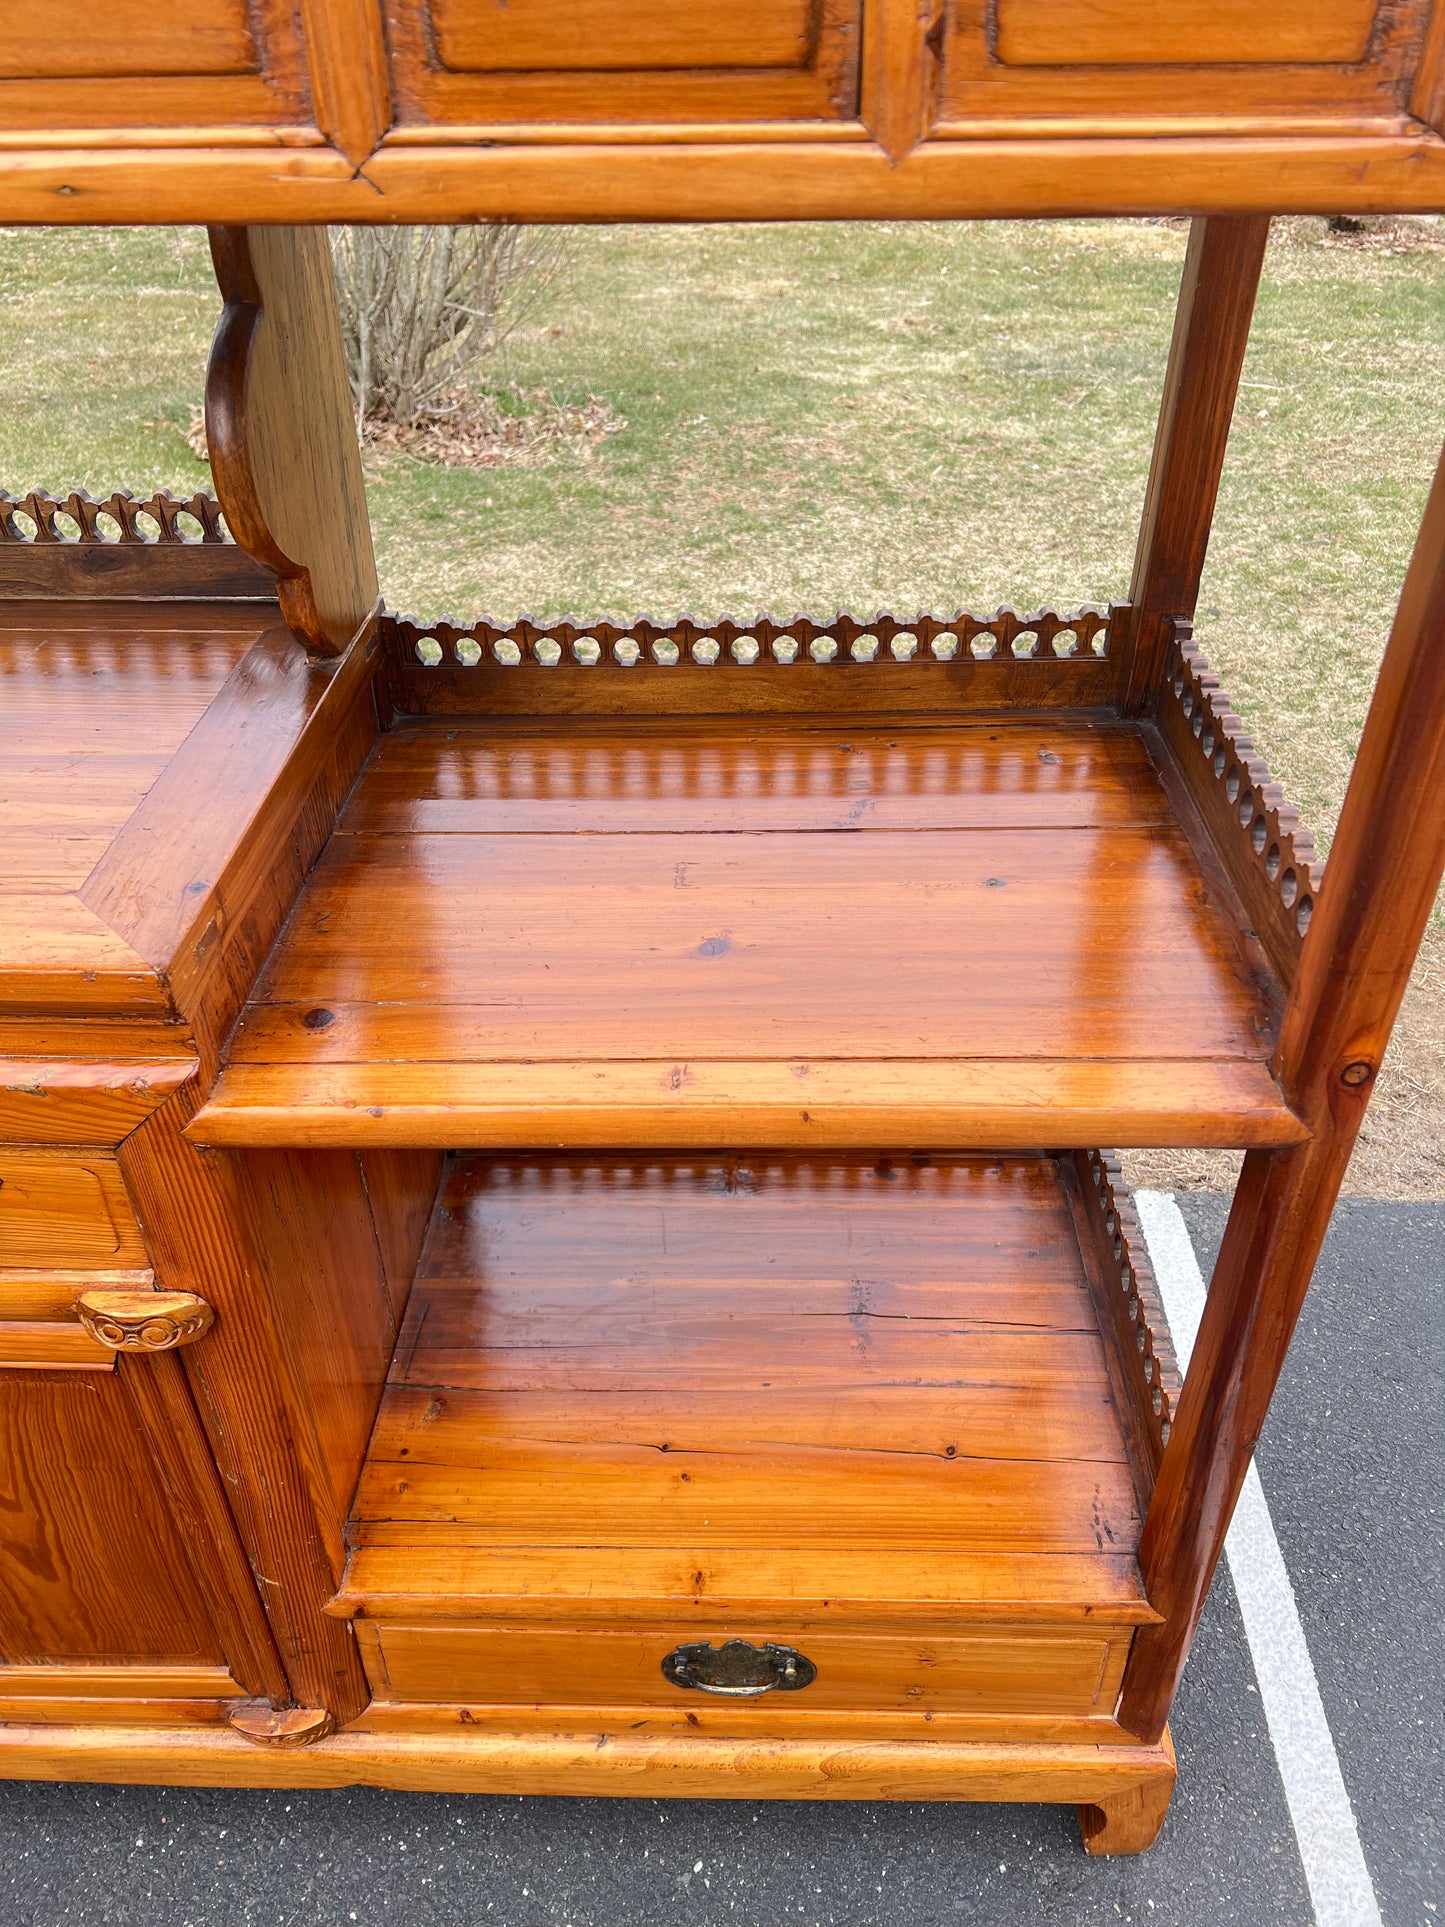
[(124, 546), (1131, 1302), (1083, 634), (40, 517), (1269, 853)]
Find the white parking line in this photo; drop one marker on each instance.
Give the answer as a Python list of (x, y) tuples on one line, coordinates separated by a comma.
[(1341, 1890)]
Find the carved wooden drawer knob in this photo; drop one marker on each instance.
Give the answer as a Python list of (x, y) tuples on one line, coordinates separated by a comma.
[(265, 1725), (144, 1321)]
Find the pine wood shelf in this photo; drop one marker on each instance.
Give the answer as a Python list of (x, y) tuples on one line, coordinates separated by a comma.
[(869, 1407), (933, 930)]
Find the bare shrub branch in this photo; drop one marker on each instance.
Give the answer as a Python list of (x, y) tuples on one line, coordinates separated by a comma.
[(422, 306)]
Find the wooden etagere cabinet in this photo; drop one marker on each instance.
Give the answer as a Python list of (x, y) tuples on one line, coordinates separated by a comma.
[(552, 1232)]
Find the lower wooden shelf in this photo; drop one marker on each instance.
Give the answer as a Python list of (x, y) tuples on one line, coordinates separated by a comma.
[(864, 1410)]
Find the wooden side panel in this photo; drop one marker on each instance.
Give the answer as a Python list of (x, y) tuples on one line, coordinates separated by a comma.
[(308, 1218), (306, 1259), (460, 61), (207, 869), (282, 432), (92, 1567)]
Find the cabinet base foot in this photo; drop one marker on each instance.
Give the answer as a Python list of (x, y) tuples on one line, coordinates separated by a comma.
[(1129, 1821)]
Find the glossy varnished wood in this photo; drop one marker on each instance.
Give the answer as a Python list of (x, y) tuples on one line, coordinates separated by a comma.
[(756, 109), (94, 1567), (730, 1381), (704, 925), (94, 701), (1211, 332), (605, 1761), (307, 1263)]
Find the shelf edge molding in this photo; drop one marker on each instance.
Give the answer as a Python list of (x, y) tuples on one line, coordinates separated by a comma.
[(931, 1104)]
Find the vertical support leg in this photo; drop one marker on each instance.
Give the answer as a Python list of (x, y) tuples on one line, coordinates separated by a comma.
[(1211, 331), (282, 432), (1380, 885)]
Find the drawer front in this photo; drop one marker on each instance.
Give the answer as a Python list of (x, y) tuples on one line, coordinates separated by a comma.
[(62, 1209), (989, 1671)]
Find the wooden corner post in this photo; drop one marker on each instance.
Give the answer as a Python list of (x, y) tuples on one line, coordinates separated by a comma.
[(282, 433), (1211, 331), (1380, 884)]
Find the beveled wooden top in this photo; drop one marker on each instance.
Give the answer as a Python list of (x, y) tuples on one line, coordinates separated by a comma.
[(95, 699), (750, 932)]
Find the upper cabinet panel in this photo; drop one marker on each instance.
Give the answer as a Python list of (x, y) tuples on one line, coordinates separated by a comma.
[(1171, 33), (131, 37), (1290, 63), (518, 62), (131, 63)]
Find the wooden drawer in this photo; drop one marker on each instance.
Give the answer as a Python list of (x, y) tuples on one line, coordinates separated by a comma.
[(60, 1209), (989, 1670)]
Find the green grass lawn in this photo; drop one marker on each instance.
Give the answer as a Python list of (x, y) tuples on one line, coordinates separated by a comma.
[(861, 415), (869, 416)]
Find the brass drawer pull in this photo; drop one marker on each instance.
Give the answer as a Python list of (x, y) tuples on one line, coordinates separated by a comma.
[(738, 1670)]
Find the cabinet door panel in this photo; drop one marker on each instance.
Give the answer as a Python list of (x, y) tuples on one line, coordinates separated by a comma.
[(91, 1565), (512, 62)]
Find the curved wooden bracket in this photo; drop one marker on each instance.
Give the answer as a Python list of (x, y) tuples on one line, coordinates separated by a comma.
[(144, 1321), (266, 1725), (281, 434)]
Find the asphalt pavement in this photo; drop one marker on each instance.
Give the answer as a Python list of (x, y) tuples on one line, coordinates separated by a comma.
[(1351, 1463)]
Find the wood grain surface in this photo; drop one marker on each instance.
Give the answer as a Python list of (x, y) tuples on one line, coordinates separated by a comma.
[(457, 1757), (1383, 877), (709, 1375), (92, 1566), (1365, 159), (560, 929), (987, 1670)]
